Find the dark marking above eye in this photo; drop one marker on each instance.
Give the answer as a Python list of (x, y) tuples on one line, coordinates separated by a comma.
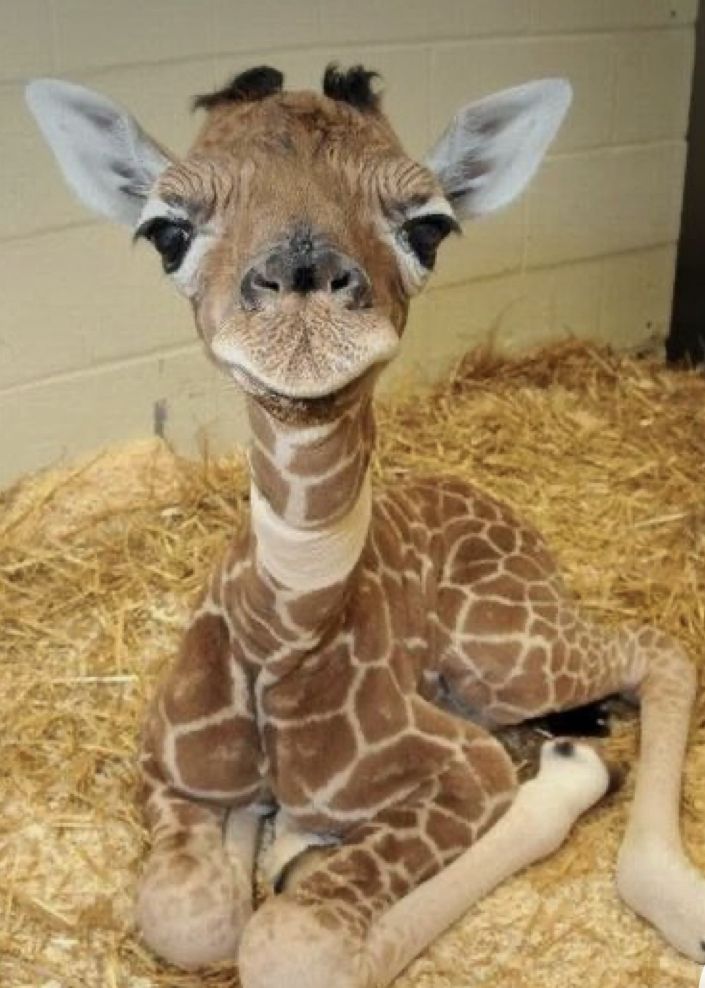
[(352, 86), (253, 84)]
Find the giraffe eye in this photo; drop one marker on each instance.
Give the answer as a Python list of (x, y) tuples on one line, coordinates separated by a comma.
[(423, 235), (171, 238)]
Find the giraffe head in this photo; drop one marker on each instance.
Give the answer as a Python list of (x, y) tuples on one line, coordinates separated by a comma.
[(296, 224)]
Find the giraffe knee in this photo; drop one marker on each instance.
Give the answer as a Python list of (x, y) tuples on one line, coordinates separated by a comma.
[(191, 911), (285, 944)]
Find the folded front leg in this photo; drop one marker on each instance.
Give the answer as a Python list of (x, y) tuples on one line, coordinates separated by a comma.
[(294, 942), (195, 893), (315, 936)]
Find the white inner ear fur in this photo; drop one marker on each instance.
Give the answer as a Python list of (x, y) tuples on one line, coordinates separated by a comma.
[(103, 153), (492, 148)]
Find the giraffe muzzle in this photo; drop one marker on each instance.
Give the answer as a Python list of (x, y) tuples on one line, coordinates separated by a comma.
[(303, 267), (305, 327), (304, 349)]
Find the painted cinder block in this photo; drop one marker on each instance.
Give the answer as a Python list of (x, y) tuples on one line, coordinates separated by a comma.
[(264, 25), (636, 297), (653, 72), (25, 38), (81, 297), (573, 294), (488, 246), (477, 18), (605, 202), (605, 15), (347, 23), (56, 420), (466, 71), (418, 20), (620, 299), (98, 33), (511, 313)]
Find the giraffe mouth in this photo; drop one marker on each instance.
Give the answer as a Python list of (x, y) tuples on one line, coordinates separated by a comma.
[(310, 355), (302, 410), (324, 394)]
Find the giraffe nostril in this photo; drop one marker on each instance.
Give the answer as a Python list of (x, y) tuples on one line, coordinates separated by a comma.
[(350, 286), (266, 284), (271, 278), (259, 288)]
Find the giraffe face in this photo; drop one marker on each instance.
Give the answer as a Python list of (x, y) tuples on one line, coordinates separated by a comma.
[(299, 229), (296, 225)]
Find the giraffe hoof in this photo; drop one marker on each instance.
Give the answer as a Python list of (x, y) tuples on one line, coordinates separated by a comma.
[(663, 887), (575, 771), (285, 945), (192, 916)]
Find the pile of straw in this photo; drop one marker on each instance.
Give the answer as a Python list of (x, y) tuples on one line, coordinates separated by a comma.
[(98, 564)]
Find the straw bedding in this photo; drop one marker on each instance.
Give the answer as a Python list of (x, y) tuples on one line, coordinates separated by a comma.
[(605, 454)]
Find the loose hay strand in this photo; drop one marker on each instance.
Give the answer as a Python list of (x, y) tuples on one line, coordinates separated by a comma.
[(605, 454)]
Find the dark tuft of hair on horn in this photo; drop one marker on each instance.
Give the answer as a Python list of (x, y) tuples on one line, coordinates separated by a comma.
[(353, 86), (253, 84)]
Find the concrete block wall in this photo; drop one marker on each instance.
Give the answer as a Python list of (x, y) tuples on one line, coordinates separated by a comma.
[(92, 339)]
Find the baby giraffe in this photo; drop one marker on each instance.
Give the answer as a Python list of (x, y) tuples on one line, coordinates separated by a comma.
[(316, 673)]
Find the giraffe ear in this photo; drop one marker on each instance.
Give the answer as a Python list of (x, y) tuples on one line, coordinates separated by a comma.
[(492, 148), (103, 153)]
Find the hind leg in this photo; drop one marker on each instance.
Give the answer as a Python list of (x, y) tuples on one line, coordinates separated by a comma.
[(654, 874), (562, 662)]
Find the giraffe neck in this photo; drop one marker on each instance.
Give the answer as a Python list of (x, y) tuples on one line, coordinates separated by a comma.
[(310, 496)]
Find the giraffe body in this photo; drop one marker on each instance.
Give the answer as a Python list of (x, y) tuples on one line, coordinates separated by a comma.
[(345, 631)]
